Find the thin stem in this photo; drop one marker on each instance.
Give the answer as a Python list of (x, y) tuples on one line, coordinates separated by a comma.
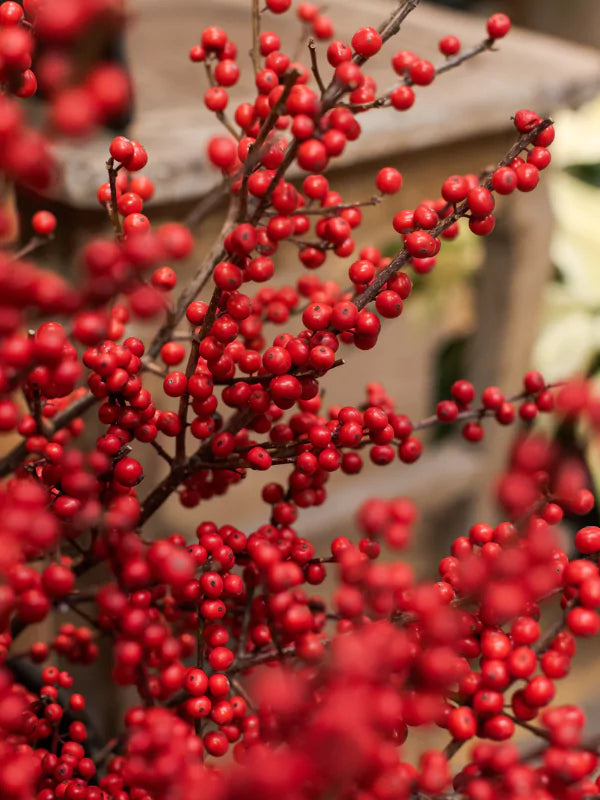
[(256, 151), (312, 49), (162, 452), (241, 646), (262, 379), (253, 660), (206, 204), (196, 284), (324, 211), (449, 64), (452, 748), (33, 244), (184, 402), (109, 748), (392, 25), (113, 210), (256, 35)]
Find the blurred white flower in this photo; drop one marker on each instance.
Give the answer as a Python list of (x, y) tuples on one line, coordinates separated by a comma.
[(569, 339)]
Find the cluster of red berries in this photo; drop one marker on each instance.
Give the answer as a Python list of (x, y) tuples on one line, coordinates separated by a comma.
[(350, 670)]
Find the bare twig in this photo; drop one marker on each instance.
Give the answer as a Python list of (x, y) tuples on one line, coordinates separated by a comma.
[(312, 49), (206, 204), (241, 645), (256, 35), (113, 210), (33, 244), (162, 452), (195, 285)]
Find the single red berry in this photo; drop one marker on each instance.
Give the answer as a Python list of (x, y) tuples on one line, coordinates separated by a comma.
[(278, 6), (366, 42), (121, 148), (322, 27), (504, 180), (498, 25), (526, 120), (43, 223), (388, 180), (402, 97), (587, 540), (449, 45), (462, 723), (216, 98), (421, 72), (421, 244), (128, 471), (481, 201), (337, 52), (455, 188), (213, 39), (528, 177), (410, 450), (447, 411), (463, 391)]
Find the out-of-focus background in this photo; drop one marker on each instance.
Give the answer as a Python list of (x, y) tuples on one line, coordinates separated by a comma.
[(526, 296)]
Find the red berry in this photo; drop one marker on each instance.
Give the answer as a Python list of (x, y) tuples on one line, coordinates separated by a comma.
[(128, 471), (498, 25), (449, 45), (121, 148), (526, 120), (366, 42), (278, 6), (43, 223), (388, 180), (402, 97), (421, 72)]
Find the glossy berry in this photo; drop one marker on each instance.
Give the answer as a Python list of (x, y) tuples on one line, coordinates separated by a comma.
[(389, 180), (366, 42), (43, 223), (498, 25)]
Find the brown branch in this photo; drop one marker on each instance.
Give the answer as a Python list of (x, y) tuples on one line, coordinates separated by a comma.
[(184, 400), (251, 660), (256, 35), (391, 26), (256, 150), (461, 210), (241, 645), (449, 64), (324, 211), (195, 285), (162, 452), (312, 49), (100, 756), (19, 453), (460, 58), (113, 210), (33, 244), (311, 373), (206, 204)]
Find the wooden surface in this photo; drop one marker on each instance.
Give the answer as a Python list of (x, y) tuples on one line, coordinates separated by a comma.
[(528, 71), (578, 20)]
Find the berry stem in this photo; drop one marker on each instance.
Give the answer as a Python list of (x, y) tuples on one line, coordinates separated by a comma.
[(256, 35), (312, 49), (115, 217)]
